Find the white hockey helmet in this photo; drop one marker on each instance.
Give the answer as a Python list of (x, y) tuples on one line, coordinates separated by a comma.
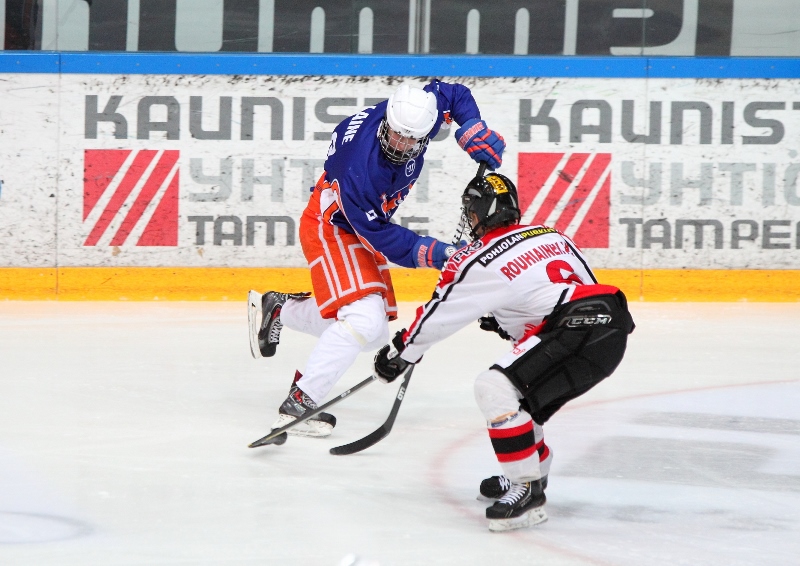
[(412, 112)]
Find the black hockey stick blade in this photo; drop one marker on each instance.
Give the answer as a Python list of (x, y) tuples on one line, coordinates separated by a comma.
[(271, 438), (362, 443), (383, 431)]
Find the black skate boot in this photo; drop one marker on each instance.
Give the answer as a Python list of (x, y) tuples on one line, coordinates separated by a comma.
[(296, 405), (496, 487), (522, 506), (269, 331)]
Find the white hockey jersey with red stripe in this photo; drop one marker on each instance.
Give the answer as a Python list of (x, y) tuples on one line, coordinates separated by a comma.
[(518, 274)]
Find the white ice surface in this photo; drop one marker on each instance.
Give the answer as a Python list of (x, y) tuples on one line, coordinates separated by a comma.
[(124, 431)]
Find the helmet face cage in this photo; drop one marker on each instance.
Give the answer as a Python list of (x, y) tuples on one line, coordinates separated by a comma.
[(394, 155), (493, 201)]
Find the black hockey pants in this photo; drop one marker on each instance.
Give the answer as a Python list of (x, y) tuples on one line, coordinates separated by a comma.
[(582, 342)]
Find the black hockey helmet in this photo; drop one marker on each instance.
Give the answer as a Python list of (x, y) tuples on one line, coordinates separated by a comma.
[(493, 199)]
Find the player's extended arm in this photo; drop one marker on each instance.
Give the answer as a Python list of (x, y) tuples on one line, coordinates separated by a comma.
[(399, 244), (474, 136), (460, 298)]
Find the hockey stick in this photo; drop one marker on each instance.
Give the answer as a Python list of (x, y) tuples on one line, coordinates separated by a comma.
[(384, 430), (462, 224), (274, 433)]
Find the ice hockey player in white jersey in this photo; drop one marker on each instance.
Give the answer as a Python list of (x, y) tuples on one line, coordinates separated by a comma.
[(569, 333)]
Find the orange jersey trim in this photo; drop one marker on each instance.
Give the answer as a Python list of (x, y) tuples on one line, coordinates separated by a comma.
[(343, 269)]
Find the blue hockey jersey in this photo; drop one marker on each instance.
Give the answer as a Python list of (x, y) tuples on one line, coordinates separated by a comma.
[(371, 187)]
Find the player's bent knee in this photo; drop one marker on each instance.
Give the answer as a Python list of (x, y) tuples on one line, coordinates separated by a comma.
[(365, 319), (495, 395), (382, 339)]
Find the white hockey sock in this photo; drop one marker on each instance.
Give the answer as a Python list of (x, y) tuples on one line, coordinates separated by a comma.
[(546, 457), (511, 431)]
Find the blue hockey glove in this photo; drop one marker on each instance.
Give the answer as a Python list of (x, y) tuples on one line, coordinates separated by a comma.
[(389, 365), (481, 143), (430, 252)]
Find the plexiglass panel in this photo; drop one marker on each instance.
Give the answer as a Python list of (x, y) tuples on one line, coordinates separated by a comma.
[(521, 27)]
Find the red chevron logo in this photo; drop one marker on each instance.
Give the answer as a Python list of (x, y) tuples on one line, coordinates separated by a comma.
[(131, 195), (570, 192)]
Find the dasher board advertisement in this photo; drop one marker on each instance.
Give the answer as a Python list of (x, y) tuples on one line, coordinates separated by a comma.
[(215, 170)]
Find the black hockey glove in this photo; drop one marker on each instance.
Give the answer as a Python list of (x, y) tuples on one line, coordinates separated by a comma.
[(389, 365), (490, 324)]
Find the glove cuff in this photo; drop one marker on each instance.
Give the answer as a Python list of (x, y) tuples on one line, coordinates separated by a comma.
[(397, 341)]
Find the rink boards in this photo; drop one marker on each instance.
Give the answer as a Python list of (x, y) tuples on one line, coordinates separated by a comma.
[(232, 284), (176, 186)]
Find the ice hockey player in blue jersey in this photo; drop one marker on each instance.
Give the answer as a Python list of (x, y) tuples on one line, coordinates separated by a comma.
[(375, 175), (374, 159)]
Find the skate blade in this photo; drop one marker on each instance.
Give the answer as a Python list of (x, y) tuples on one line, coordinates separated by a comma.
[(309, 428), (253, 308), (485, 499), (532, 517), (320, 431)]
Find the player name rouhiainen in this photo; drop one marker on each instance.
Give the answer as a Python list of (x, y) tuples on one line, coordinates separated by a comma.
[(510, 241)]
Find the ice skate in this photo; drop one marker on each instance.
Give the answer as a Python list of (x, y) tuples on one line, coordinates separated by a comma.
[(521, 506), (295, 405), (496, 487), (265, 336)]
